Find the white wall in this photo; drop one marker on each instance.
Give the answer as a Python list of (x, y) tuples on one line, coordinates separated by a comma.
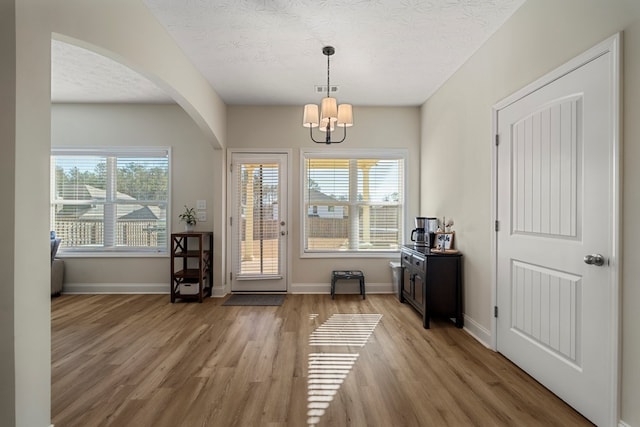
[(197, 173), (631, 229), (374, 128), (457, 125), (31, 280), (194, 165)]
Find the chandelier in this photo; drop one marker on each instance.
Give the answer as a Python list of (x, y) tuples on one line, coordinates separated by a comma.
[(331, 114)]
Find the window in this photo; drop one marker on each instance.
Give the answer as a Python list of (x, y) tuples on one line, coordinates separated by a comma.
[(354, 203), (110, 200)]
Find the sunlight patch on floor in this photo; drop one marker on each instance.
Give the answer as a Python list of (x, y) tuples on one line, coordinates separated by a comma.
[(345, 329), (327, 371)]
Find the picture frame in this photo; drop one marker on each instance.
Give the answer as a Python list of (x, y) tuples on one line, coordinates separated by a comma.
[(444, 241)]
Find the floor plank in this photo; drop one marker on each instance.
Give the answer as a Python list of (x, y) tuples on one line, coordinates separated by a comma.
[(138, 360)]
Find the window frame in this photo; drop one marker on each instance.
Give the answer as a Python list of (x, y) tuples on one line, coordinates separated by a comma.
[(352, 154), (115, 251)]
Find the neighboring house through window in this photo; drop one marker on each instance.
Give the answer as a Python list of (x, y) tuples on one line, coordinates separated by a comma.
[(110, 200), (354, 201)]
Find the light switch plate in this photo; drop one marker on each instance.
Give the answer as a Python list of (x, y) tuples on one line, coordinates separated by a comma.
[(201, 205), (202, 215)]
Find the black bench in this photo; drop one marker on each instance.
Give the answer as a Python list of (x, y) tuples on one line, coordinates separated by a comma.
[(346, 275)]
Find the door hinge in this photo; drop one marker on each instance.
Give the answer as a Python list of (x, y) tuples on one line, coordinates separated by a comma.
[(230, 275), (497, 140), (495, 311), (230, 221), (230, 167), (497, 225)]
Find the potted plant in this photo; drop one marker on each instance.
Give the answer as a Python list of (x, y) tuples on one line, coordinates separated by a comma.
[(189, 218)]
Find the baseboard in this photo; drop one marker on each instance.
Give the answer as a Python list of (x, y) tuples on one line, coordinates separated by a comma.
[(623, 424), (219, 292), (477, 331), (351, 287), (116, 288)]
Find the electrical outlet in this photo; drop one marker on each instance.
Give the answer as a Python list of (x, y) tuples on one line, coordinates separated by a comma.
[(202, 216), (201, 205)]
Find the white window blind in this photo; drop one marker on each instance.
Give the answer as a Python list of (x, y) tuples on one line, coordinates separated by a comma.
[(353, 203), (257, 191), (110, 200)]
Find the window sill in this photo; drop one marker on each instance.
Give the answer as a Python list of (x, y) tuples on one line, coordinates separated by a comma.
[(106, 254), (346, 254)]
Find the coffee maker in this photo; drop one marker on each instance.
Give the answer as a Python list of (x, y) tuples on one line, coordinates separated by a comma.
[(424, 233)]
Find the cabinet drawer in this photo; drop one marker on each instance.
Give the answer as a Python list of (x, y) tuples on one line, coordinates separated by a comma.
[(419, 262), (405, 258)]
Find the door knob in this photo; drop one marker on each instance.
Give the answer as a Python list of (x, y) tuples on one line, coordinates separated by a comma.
[(594, 259)]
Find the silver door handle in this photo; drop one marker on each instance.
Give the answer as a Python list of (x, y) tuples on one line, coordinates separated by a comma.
[(594, 259)]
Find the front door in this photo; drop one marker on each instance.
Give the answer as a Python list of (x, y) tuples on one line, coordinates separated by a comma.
[(556, 245), (258, 222)]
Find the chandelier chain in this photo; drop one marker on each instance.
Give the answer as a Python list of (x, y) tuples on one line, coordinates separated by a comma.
[(328, 69)]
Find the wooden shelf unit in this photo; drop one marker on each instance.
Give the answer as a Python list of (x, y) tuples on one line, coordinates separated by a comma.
[(191, 265)]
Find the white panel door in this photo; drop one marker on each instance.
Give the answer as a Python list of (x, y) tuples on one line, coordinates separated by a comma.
[(556, 196), (258, 228)]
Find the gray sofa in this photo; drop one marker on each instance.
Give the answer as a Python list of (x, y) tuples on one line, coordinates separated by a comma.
[(57, 269)]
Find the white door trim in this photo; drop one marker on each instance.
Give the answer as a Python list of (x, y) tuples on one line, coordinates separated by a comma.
[(611, 45), (229, 236)]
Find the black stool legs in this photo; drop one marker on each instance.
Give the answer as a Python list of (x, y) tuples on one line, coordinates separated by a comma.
[(347, 275)]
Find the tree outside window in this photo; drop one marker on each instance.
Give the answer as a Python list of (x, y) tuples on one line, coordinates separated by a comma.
[(110, 200)]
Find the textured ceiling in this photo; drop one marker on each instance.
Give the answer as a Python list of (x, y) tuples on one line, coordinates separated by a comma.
[(79, 75), (388, 52)]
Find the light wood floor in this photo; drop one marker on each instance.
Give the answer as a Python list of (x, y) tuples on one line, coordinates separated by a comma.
[(138, 360)]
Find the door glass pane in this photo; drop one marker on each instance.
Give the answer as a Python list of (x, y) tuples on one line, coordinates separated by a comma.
[(259, 231)]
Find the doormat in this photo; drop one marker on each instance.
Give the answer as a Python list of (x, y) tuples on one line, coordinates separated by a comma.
[(253, 299)]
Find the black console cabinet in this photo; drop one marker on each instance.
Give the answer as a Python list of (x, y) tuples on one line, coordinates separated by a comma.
[(432, 283)]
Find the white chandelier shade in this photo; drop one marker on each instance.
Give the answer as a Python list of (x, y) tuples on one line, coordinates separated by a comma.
[(310, 117), (343, 113), (323, 125)]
